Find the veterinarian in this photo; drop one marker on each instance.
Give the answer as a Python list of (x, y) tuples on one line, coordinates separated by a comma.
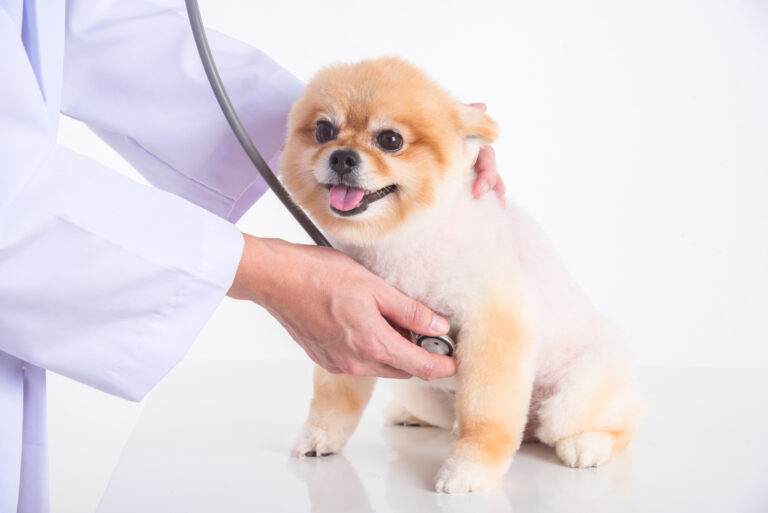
[(107, 281)]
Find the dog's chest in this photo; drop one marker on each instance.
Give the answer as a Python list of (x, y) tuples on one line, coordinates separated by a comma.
[(414, 269), (443, 264)]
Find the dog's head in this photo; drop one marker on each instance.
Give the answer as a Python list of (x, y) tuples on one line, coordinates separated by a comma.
[(374, 144)]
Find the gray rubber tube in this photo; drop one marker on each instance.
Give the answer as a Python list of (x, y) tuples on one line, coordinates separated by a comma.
[(266, 173), (212, 73)]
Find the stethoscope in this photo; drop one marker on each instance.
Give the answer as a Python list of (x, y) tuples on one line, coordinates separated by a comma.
[(434, 344)]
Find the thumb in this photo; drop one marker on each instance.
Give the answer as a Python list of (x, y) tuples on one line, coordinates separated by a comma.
[(411, 314)]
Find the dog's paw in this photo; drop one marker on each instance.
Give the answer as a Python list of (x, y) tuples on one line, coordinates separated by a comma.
[(313, 441), (588, 449), (397, 415), (463, 476)]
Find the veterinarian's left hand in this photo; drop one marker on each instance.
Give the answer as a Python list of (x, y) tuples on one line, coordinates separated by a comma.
[(487, 175)]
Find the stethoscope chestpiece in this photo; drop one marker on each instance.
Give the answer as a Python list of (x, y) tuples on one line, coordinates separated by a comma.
[(442, 344)]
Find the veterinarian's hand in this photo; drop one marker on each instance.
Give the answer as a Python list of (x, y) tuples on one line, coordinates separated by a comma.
[(335, 309), (487, 175)]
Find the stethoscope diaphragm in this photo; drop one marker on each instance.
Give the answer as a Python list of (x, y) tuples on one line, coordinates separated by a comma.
[(442, 344)]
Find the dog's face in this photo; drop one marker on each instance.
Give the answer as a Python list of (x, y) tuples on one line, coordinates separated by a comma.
[(371, 145)]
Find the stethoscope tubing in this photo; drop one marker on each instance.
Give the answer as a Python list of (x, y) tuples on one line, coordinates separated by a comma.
[(201, 41)]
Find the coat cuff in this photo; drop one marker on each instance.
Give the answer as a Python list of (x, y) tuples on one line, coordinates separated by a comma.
[(172, 329)]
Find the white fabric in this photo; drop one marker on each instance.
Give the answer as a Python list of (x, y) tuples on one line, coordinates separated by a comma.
[(101, 279)]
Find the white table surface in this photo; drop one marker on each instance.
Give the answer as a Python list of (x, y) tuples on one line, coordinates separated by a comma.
[(214, 437)]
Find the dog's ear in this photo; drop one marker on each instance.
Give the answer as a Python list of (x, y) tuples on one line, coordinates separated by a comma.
[(477, 124)]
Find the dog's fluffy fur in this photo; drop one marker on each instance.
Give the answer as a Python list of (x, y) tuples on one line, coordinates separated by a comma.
[(536, 361)]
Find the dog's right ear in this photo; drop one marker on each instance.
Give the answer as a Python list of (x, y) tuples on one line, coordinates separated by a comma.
[(477, 124)]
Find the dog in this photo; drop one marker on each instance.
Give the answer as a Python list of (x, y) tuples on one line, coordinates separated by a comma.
[(381, 157)]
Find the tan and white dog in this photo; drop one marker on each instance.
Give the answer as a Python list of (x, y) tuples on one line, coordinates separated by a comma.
[(381, 157)]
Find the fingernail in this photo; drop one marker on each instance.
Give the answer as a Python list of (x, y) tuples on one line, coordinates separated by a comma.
[(440, 324), (484, 188)]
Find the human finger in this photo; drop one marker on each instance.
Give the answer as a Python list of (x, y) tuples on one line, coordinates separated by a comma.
[(410, 314), (501, 191), (373, 368), (406, 356), (487, 175)]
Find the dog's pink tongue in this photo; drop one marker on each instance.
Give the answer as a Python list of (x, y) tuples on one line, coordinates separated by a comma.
[(345, 198)]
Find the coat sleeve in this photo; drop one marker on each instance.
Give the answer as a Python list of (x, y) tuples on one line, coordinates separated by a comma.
[(104, 280), (132, 73)]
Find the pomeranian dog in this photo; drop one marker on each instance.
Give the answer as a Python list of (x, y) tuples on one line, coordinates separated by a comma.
[(382, 158)]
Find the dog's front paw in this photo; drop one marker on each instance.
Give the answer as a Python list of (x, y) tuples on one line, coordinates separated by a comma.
[(588, 449), (458, 475), (313, 441)]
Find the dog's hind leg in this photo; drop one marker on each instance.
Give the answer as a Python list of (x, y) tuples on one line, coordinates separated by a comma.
[(396, 414), (416, 404), (593, 416)]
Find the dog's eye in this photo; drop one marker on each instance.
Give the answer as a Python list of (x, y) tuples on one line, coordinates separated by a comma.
[(389, 140), (324, 131)]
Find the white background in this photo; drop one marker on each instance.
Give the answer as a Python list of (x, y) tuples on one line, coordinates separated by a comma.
[(635, 132)]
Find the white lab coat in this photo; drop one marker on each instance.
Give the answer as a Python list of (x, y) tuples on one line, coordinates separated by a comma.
[(101, 279)]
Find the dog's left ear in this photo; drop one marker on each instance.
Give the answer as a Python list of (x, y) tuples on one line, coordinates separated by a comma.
[(477, 124)]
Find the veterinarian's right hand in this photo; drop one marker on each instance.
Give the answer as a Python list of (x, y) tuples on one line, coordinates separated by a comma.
[(335, 309)]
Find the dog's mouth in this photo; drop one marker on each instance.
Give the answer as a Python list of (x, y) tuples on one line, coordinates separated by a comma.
[(348, 201)]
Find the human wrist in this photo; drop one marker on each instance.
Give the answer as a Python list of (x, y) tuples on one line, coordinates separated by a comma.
[(255, 276)]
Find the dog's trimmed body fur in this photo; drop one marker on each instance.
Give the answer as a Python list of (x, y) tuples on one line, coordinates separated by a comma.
[(535, 358)]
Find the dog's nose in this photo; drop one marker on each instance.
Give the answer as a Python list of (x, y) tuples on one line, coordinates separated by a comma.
[(344, 161)]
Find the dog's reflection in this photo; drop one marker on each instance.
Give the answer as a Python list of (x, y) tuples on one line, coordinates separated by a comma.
[(536, 481), (332, 484)]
